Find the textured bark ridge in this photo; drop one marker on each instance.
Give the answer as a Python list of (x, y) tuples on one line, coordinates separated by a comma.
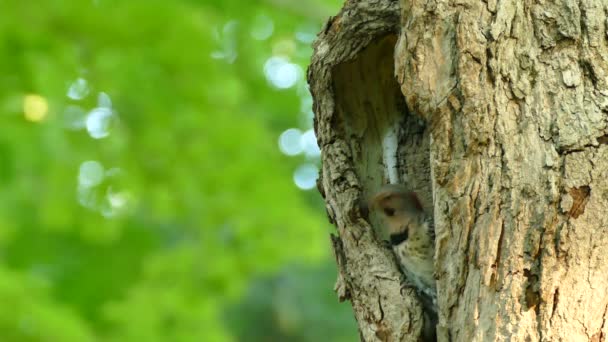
[(497, 116)]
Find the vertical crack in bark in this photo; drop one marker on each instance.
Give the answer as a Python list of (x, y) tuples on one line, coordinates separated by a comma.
[(531, 293), (580, 198), (555, 302), (381, 330), (496, 264), (599, 336)]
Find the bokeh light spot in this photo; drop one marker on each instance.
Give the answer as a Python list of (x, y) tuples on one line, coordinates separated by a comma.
[(117, 203), (99, 122), (118, 199), (306, 103), (86, 197), (227, 40), (91, 173), (35, 107), (289, 142), (306, 176), (281, 73), (262, 27), (306, 33), (74, 117), (308, 141), (79, 89), (103, 100)]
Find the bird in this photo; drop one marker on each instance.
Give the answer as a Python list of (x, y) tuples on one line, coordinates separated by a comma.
[(412, 236)]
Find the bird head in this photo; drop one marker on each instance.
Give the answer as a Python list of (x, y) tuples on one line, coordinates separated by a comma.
[(398, 206)]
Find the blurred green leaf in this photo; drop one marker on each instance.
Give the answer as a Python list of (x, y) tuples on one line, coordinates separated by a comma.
[(140, 178)]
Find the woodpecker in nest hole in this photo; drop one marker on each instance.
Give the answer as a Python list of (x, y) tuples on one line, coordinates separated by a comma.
[(412, 237)]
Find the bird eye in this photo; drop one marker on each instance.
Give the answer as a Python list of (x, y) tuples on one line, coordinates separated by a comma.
[(389, 211)]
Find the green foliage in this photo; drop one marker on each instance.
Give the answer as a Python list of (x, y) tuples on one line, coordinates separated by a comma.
[(273, 299), (29, 314), (176, 218)]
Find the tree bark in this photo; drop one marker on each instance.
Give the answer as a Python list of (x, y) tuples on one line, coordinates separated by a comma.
[(495, 112)]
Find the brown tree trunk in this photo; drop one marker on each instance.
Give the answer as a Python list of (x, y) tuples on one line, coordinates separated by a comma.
[(495, 112)]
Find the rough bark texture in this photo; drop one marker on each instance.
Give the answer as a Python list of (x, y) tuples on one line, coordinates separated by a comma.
[(497, 115)]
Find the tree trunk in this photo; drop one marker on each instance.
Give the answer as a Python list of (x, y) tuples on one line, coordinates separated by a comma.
[(495, 113)]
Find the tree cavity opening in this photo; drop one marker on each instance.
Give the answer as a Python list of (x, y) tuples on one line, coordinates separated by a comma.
[(389, 144)]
